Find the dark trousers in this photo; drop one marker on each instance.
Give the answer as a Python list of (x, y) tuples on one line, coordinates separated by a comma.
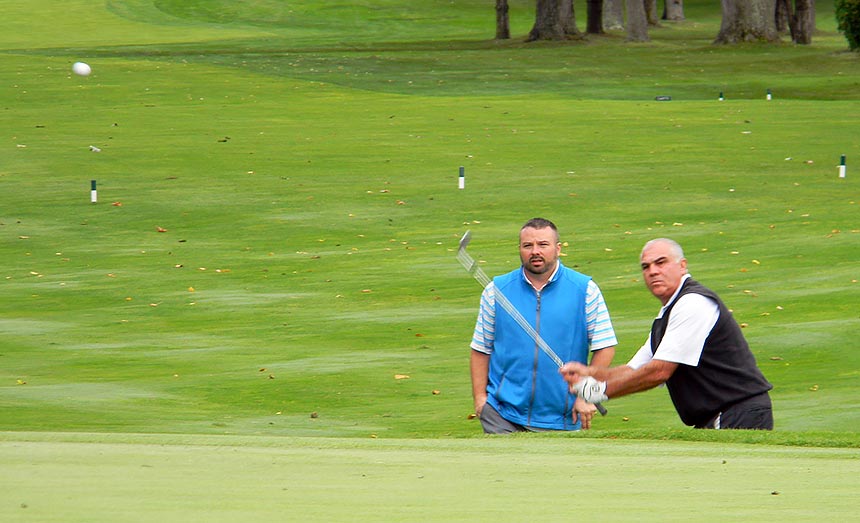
[(752, 413)]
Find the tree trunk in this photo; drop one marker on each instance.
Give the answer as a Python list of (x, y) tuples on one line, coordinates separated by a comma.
[(673, 10), (783, 15), (567, 15), (637, 22), (594, 25), (651, 12), (554, 20), (548, 24), (613, 14), (747, 21), (802, 22), (503, 25), (812, 16)]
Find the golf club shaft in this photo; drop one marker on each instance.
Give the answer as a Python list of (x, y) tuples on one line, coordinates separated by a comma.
[(472, 267)]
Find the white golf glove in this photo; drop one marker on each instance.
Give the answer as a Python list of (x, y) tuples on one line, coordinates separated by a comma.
[(590, 390)]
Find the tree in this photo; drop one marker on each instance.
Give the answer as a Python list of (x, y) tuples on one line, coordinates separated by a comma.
[(783, 15), (748, 21), (848, 18), (554, 20), (802, 22), (568, 19), (613, 14), (503, 25), (673, 10), (637, 21), (651, 12), (594, 24)]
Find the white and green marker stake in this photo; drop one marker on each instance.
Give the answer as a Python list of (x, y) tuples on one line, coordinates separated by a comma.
[(462, 181), (94, 197), (842, 167)]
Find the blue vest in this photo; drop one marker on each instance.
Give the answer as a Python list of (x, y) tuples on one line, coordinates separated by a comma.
[(524, 384)]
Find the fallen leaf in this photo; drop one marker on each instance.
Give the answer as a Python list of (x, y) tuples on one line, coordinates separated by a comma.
[(401, 376), (161, 229)]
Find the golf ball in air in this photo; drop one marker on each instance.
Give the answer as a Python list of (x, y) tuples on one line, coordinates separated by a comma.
[(81, 68)]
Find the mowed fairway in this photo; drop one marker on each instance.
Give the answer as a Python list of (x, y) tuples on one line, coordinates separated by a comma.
[(263, 317)]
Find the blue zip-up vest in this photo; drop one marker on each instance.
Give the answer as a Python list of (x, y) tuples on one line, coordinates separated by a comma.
[(524, 384)]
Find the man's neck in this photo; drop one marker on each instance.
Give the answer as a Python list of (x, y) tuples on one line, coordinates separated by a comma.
[(539, 281)]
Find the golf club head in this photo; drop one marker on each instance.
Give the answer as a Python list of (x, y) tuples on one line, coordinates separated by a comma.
[(464, 241)]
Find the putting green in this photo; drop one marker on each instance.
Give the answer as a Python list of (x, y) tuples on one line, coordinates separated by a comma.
[(115, 478)]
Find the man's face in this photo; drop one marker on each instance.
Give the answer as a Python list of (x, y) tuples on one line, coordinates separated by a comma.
[(662, 271), (539, 249)]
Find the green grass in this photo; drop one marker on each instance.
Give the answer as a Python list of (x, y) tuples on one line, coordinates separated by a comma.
[(303, 166), (143, 478)]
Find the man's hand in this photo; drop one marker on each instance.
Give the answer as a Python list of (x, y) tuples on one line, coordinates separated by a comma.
[(573, 371), (590, 390), (584, 412)]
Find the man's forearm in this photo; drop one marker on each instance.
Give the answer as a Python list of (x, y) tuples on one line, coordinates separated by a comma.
[(479, 366), (624, 380), (602, 357)]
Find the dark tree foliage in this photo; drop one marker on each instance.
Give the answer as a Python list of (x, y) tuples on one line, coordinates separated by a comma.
[(848, 17)]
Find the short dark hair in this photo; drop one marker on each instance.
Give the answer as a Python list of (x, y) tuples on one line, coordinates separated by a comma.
[(540, 223)]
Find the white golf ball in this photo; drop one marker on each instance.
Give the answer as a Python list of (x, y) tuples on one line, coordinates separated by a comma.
[(81, 68)]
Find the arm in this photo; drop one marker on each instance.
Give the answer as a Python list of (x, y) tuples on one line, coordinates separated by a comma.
[(621, 380), (479, 366), (602, 357), (648, 376), (691, 320)]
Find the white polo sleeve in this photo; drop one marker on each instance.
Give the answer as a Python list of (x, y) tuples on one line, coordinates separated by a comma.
[(642, 356)]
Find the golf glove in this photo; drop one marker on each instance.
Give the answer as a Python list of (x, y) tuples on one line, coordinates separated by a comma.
[(590, 390)]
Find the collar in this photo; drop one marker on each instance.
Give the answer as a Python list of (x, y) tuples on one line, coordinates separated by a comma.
[(674, 296), (551, 279)]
